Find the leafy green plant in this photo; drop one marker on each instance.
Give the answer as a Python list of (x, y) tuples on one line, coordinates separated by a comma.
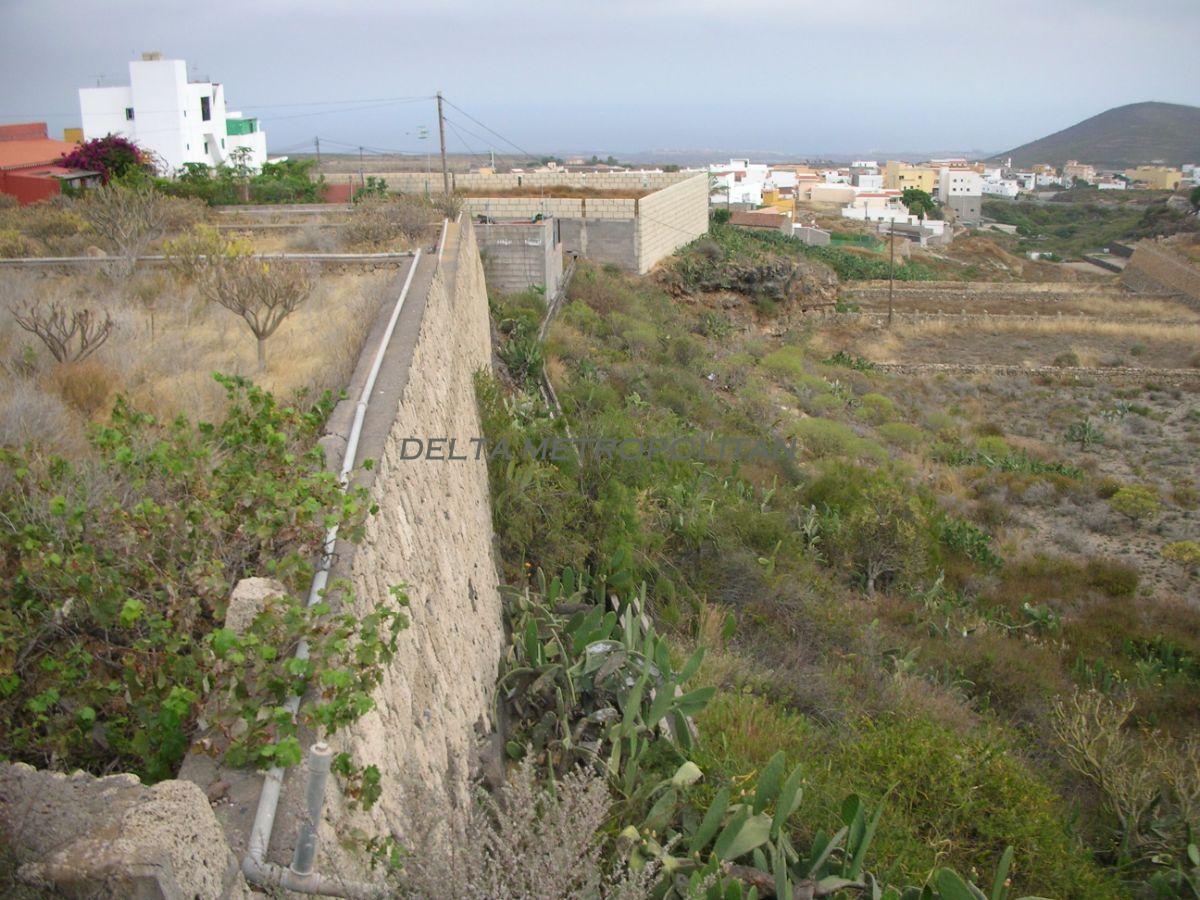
[(118, 581), (842, 358)]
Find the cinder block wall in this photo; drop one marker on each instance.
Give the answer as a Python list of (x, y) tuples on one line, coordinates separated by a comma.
[(520, 255), (602, 240), (670, 218), (416, 182)]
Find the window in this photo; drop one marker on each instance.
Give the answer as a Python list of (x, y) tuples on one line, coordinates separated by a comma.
[(129, 114), (206, 146), (222, 143), (205, 109)]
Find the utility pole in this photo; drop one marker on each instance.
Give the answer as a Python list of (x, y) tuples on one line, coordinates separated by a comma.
[(442, 137), (362, 178), (317, 145), (891, 267)]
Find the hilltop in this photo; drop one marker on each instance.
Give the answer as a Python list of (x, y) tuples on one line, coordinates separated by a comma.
[(1124, 136)]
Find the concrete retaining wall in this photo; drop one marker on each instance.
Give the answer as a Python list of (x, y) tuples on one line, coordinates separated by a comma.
[(1155, 267), (433, 532), (520, 255)]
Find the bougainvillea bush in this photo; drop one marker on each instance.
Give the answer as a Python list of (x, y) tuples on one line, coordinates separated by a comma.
[(112, 156)]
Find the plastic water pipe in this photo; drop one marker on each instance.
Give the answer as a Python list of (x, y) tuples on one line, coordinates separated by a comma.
[(254, 865)]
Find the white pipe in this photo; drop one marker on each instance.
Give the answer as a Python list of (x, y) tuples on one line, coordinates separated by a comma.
[(442, 239), (255, 866)]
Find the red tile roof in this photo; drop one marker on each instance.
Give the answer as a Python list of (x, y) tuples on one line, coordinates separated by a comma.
[(26, 144)]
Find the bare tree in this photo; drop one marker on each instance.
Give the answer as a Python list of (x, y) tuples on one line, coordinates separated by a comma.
[(130, 218), (261, 290), (69, 335)]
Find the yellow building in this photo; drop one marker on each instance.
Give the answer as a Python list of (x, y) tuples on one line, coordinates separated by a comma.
[(898, 175), (1158, 178)]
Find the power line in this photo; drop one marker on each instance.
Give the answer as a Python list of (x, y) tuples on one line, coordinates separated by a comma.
[(336, 102), (463, 141), (491, 130)]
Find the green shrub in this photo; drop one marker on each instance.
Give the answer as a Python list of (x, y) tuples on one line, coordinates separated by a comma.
[(13, 244), (1115, 579), (117, 586), (784, 361), (820, 438), (902, 435), (993, 446), (1185, 553), (876, 408), (957, 799), (1137, 502)]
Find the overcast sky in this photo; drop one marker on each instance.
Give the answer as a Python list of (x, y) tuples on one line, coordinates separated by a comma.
[(791, 76)]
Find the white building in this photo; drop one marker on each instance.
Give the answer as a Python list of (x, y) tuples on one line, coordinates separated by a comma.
[(958, 183), (999, 186), (177, 120), (961, 190)]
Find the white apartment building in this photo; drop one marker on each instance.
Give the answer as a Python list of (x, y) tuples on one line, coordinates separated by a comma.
[(177, 120), (961, 190), (999, 186)]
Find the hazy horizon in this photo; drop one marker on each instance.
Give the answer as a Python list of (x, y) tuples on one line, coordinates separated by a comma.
[(784, 78)]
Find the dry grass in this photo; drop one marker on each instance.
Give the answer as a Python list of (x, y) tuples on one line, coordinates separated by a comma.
[(1028, 303), (168, 370), (1018, 341)]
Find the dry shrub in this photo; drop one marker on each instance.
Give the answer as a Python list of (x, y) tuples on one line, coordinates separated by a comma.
[(376, 222), (263, 292), (85, 385), (29, 416), (524, 843), (189, 253), (1150, 786), (313, 239), (13, 244)]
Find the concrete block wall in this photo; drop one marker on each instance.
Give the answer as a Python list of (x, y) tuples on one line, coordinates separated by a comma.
[(558, 207), (520, 255), (602, 240), (419, 182), (670, 218)]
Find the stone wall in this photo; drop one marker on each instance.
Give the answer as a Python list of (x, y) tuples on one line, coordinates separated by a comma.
[(115, 837), (930, 289), (520, 255), (1166, 377), (1155, 267), (432, 532)]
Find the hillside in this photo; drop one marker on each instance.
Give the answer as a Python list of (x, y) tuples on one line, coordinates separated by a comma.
[(1124, 136)]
